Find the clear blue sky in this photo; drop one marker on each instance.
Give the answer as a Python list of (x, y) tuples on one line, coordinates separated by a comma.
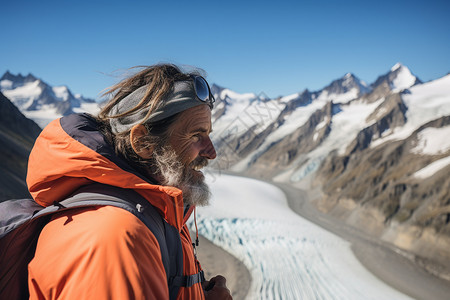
[(279, 47)]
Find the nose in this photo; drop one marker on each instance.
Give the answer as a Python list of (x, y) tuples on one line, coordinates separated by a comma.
[(208, 150)]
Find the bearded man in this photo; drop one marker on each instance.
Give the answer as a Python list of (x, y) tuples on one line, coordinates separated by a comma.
[(152, 137)]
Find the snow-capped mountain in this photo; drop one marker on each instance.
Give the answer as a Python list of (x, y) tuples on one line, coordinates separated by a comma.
[(41, 102), (377, 154), (398, 79), (269, 130), (344, 89)]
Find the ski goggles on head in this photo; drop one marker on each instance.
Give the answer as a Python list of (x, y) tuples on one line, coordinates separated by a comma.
[(182, 96), (202, 90)]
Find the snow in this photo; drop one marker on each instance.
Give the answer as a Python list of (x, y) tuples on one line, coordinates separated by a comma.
[(316, 136), (48, 113), (339, 98), (295, 120), (349, 122), (346, 97), (425, 102), (91, 108), (6, 84), (403, 80), (322, 124), (43, 116), (433, 141), (23, 96), (288, 257), (238, 105), (289, 98), (345, 126), (61, 92), (245, 114), (291, 123), (396, 66), (220, 106), (347, 77), (319, 127), (236, 96), (432, 168)]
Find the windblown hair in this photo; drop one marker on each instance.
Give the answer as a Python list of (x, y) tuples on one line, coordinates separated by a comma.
[(159, 80)]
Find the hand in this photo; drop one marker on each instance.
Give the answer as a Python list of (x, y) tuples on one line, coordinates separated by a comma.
[(216, 288)]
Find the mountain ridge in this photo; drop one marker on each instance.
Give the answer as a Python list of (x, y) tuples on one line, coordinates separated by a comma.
[(40, 101), (354, 143)]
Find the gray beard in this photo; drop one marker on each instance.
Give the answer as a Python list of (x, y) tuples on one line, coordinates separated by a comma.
[(171, 172)]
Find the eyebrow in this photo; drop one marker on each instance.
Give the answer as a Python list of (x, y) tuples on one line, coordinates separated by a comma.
[(203, 130)]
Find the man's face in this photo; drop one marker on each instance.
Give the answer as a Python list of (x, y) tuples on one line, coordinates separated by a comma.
[(188, 150), (190, 137)]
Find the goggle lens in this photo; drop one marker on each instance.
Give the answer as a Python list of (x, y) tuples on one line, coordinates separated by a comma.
[(202, 90)]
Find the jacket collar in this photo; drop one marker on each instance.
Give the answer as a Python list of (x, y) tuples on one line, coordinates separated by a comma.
[(70, 152)]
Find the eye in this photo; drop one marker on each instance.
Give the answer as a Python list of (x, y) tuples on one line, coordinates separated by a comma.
[(196, 137)]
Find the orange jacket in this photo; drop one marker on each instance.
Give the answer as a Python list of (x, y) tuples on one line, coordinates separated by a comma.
[(105, 252)]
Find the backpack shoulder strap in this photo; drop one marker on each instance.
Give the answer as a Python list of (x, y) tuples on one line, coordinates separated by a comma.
[(14, 213), (168, 236)]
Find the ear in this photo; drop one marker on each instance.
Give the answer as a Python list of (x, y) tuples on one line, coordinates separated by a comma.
[(136, 134)]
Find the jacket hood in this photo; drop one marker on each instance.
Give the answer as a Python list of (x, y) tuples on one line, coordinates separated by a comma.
[(70, 152)]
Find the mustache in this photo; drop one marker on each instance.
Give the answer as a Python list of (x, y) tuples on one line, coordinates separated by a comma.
[(199, 162)]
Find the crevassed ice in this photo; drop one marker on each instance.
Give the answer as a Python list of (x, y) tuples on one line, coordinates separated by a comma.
[(287, 256)]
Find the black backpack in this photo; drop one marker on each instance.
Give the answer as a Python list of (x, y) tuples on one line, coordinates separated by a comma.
[(21, 222)]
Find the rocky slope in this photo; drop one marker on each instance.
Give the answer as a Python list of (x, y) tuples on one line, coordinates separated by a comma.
[(17, 135)]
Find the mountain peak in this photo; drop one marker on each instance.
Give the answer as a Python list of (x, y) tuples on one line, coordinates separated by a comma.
[(348, 83), (350, 80), (396, 67), (7, 76), (398, 78), (19, 78), (348, 75), (30, 77)]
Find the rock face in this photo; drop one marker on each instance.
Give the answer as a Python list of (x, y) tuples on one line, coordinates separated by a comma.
[(17, 135), (294, 146), (379, 153)]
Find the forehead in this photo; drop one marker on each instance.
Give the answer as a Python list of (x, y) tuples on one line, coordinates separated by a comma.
[(197, 118)]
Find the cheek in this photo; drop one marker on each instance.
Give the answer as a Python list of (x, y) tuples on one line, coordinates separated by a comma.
[(186, 151)]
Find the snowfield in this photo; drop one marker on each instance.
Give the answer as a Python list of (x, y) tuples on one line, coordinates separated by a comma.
[(287, 256), (426, 102), (432, 168), (433, 141)]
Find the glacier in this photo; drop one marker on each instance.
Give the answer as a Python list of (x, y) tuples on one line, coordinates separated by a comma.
[(288, 257)]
